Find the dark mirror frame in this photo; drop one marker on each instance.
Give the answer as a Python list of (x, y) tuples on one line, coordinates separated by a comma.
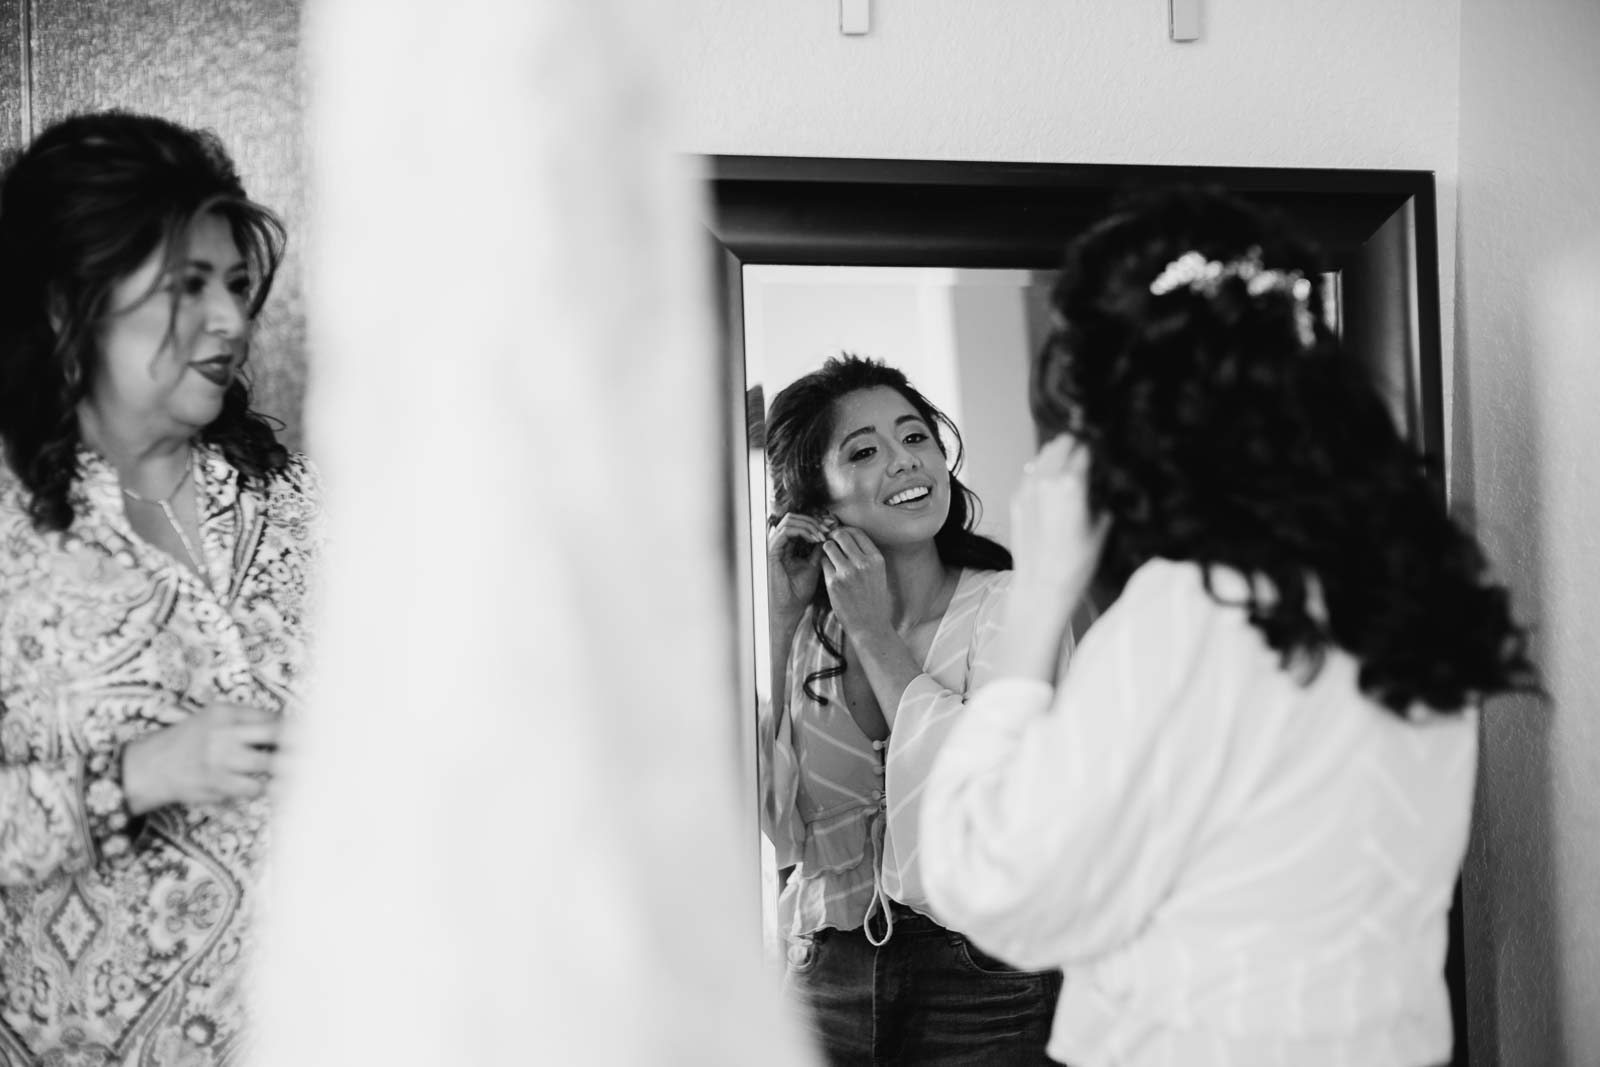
[(1377, 229)]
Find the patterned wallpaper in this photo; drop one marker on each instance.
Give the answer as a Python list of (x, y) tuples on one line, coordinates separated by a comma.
[(230, 65), (12, 60)]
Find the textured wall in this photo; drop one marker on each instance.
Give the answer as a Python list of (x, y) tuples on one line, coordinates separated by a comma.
[(230, 65), (13, 72), (1528, 389)]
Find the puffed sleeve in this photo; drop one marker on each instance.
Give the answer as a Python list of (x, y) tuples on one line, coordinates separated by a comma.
[(778, 774), (921, 723), (1048, 829)]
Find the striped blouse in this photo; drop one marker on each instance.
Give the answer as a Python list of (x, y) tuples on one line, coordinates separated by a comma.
[(1233, 869), (845, 808)]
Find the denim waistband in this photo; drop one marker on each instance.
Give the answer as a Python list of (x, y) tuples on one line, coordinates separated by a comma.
[(895, 918)]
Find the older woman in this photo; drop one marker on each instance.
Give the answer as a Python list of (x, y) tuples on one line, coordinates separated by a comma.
[(156, 544)]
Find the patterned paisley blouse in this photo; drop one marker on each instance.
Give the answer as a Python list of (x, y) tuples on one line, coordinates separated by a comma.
[(122, 940)]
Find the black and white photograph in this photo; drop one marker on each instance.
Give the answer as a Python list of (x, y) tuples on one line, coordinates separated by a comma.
[(799, 533)]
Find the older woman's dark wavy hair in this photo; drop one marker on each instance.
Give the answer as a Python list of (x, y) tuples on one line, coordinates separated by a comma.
[(82, 207), (1218, 433), (798, 428)]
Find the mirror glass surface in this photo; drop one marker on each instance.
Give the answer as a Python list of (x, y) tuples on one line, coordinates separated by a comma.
[(962, 336)]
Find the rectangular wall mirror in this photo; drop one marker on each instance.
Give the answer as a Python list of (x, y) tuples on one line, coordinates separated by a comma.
[(943, 269)]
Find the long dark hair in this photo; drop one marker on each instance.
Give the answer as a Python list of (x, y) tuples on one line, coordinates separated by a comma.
[(798, 428), (1225, 426), (81, 208)]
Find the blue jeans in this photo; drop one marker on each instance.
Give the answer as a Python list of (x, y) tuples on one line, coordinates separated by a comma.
[(926, 998)]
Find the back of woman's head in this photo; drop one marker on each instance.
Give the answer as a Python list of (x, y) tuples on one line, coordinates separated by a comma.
[(798, 427), (89, 201), (1226, 427)]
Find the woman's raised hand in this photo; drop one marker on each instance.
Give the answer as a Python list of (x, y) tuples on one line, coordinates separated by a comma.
[(222, 752), (794, 564), (858, 583), (1056, 540)]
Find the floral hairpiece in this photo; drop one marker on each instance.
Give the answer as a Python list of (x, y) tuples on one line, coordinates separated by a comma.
[(1198, 274)]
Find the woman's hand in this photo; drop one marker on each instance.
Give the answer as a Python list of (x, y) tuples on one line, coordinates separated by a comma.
[(1056, 548), (794, 564), (222, 752), (858, 583), (1056, 541)]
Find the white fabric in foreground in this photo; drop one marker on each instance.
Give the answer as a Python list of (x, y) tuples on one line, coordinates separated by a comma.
[(511, 832)]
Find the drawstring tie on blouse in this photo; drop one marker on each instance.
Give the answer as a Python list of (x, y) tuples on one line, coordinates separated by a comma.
[(881, 901)]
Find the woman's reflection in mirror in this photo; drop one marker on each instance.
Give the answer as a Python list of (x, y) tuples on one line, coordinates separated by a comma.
[(883, 607), (1236, 819)]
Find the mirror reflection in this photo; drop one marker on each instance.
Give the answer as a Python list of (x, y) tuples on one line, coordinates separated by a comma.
[(887, 409), (890, 404), (962, 336)]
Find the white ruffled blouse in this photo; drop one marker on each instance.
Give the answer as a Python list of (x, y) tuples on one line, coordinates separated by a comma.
[(1231, 867)]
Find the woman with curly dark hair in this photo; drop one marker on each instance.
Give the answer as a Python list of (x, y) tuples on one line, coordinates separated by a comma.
[(1237, 819), (883, 603), (157, 546)]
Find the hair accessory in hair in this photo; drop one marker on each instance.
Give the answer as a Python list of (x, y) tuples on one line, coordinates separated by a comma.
[(1198, 274)]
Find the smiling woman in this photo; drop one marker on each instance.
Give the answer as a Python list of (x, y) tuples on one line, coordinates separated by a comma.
[(887, 475), (882, 600)]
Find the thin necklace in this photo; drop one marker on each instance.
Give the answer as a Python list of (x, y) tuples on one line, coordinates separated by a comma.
[(165, 504)]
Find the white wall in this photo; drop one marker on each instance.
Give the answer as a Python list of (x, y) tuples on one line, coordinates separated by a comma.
[(1527, 444), (1281, 83), (990, 326), (798, 316), (1361, 83)]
